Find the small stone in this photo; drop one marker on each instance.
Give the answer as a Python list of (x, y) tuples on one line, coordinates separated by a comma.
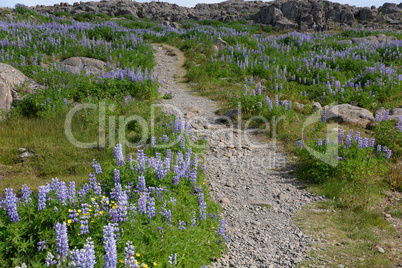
[(190, 115), (341, 266), (380, 249), (21, 150), (225, 200), (26, 155), (231, 146), (298, 259), (387, 216), (195, 109), (229, 184)]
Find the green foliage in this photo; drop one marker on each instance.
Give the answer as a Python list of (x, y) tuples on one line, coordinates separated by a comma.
[(388, 135), (23, 10)]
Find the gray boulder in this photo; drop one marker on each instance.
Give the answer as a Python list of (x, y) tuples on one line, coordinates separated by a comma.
[(395, 113), (89, 65), (365, 14), (349, 114), (220, 43), (13, 83)]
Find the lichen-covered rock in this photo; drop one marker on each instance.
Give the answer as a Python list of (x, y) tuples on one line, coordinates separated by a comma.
[(346, 113), (89, 65), (12, 83)]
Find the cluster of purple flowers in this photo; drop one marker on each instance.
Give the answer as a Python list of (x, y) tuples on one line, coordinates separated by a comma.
[(350, 139)]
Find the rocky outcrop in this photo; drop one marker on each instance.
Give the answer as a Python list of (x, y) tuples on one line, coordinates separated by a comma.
[(12, 84), (349, 114), (304, 15), (160, 11), (322, 15), (88, 65)]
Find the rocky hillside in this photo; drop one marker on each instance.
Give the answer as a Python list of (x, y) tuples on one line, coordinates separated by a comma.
[(286, 14)]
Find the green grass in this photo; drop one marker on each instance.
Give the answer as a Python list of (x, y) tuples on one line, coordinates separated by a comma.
[(347, 237)]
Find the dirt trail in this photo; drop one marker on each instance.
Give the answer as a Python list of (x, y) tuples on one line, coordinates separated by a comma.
[(247, 174)]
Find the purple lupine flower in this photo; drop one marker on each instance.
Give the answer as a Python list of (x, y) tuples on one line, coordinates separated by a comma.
[(109, 244), (141, 160), (97, 167), (386, 114), (122, 204), (365, 142), (85, 257), (165, 138), (378, 117), (173, 259), (85, 215), (141, 186), (11, 205), (341, 135), (61, 241), (41, 245), (378, 148), (221, 230), (360, 143), (26, 194), (319, 142), (194, 220), (72, 193), (114, 215), (94, 184), (299, 144), (42, 196), (203, 206), (324, 116), (371, 142), (183, 142), (116, 176), (153, 141), (387, 151), (356, 137), (84, 190), (50, 259), (73, 215), (176, 177), (129, 253), (167, 214), (159, 169), (182, 225), (151, 211), (142, 203), (118, 155), (62, 192)]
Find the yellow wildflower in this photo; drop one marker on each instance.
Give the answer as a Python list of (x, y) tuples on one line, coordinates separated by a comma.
[(79, 211), (137, 254), (101, 212), (155, 263)]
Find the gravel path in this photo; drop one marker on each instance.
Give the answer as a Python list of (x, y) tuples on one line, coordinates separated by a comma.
[(247, 174)]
